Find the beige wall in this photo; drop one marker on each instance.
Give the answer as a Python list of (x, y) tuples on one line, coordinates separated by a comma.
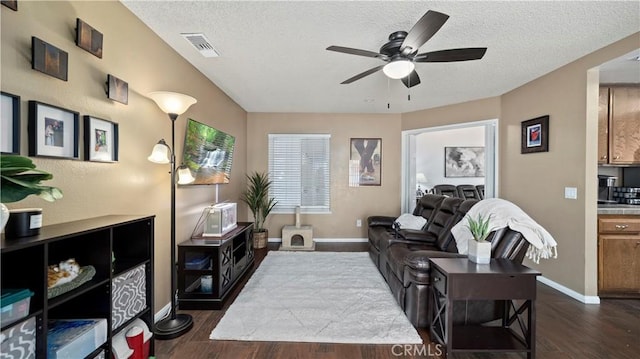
[(536, 181), (136, 55), (347, 203), (478, 110)]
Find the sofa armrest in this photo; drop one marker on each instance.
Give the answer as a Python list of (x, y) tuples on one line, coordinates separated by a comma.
[(384, 221), (417, 235)]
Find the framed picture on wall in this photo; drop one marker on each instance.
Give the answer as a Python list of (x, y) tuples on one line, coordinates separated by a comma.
[(535, 135), (365, 162), (49, 59), (10, 124), (53, 131), (464, 162), (88, 38), (100, 140)]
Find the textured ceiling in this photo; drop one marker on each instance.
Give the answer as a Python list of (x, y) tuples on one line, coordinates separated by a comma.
[(273, 56)]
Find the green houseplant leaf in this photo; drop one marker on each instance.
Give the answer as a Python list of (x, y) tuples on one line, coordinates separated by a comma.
[(20, 179), (479, 227), (256, 196)]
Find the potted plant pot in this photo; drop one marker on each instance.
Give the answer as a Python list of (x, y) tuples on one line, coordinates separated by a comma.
[(479, 252), (260, 239)]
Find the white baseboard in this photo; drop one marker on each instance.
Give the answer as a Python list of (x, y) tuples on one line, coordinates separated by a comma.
[(327, 240), (586, 299), (162, 313)]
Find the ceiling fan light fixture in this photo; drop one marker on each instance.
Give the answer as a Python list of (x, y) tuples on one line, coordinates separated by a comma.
[(398, 69)]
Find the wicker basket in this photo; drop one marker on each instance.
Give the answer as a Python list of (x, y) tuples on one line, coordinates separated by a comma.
[(260, 239)]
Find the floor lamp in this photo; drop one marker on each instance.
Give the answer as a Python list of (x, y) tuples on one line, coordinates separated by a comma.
[(174, 104)]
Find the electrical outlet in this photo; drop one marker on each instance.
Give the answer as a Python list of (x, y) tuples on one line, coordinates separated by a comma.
[(571, 193), (358, 223)]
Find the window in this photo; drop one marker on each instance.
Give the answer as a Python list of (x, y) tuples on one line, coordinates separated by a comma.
[(299, 172)]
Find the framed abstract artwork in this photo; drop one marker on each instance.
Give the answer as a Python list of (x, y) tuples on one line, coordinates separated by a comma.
[(117, 89), (53, 131), (10, 124), (100, 140), (365, 162), (88, 38), (535, 135), (464, 162), (49, 59)]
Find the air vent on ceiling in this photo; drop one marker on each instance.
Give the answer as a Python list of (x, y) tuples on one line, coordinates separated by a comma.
[(202, 44)]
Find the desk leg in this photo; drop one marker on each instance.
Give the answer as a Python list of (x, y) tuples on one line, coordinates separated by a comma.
[(532, 329)]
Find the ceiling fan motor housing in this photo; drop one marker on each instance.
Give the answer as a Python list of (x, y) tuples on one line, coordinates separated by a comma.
[(392, 47)]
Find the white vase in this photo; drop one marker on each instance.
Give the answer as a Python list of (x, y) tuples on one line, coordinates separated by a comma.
[(479, 252), (4, 216)]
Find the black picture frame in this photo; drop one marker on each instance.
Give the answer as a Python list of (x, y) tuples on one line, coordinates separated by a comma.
[(49, 59), (11, 4), (117, 89), (10, 123), (100, 140), (53, 131), (88, 38), (365, 162), (462, 161), (535, 135)]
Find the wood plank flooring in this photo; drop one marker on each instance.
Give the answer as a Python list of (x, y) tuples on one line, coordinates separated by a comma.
[(566, 329)]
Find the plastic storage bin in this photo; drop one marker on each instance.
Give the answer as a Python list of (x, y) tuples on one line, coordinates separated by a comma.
[(15, 305), (19, 341)]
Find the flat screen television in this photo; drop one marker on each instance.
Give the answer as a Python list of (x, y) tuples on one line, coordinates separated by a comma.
[(208, 152)]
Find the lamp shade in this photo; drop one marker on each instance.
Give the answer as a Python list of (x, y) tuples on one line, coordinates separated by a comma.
[(398, 69), (160, 153), (184, 175), (172, 102)]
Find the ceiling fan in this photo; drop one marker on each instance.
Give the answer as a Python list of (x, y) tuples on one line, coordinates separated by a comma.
[(401, 52)]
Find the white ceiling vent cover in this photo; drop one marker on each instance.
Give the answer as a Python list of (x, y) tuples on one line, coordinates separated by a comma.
[(202, 44)]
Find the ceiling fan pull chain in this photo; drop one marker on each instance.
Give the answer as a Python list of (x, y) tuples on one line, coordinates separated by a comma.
[(388, 94)]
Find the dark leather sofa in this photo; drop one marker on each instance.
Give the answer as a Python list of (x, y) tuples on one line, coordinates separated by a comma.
[(402, 257)]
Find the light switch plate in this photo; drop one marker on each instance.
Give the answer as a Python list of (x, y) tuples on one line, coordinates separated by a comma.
[(358, 223), (571, 193)]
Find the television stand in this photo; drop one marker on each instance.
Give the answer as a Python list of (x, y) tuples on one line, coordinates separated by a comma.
[(226, 259)]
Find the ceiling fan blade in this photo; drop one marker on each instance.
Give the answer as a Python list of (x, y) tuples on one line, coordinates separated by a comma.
[(363, 74), (411, 80), (451, 55), (422, 31), (351, 51)]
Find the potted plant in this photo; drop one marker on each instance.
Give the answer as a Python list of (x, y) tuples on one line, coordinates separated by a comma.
[(256, 196), (20, 179), (479, 247)]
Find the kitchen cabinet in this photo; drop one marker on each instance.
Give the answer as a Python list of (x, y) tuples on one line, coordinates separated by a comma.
[(619, 256), (619, 125)]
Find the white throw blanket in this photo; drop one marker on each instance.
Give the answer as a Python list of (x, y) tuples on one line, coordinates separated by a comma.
[(506, 214)]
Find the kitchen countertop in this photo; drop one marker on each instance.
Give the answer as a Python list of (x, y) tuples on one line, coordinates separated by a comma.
[(619, 209)]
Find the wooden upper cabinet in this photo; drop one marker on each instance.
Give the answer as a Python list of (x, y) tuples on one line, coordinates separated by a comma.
[(603, 126), (619, 125), (624, 125)]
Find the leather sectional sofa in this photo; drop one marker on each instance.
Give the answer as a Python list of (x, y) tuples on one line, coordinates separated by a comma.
[(402, 257)]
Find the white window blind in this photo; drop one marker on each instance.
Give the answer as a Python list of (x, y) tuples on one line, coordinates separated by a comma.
[(299, 172)]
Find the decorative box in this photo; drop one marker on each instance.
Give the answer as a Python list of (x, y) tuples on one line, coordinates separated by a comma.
[(75, 338), (19, 341), (221, 218), (128, 295)]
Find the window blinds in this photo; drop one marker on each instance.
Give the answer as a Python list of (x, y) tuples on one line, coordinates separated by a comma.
[(299, 167)]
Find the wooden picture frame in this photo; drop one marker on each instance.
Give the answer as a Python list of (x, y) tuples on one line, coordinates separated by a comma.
[(464, 161), (53, 131), (365, 161), (88, 38), (49, 59), (9, 123), (11, 4), (117, 89), (535, 135), (100, 140)]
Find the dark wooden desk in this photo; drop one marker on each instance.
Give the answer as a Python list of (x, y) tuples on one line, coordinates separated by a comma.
[(455, 279)]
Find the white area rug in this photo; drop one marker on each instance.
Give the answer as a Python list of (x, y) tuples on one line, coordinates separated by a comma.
[(325, 297)]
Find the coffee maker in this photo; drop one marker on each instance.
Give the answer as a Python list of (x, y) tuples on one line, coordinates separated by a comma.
[(605, 188)]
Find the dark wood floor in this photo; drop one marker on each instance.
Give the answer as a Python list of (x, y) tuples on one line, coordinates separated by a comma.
[(566, 329)]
